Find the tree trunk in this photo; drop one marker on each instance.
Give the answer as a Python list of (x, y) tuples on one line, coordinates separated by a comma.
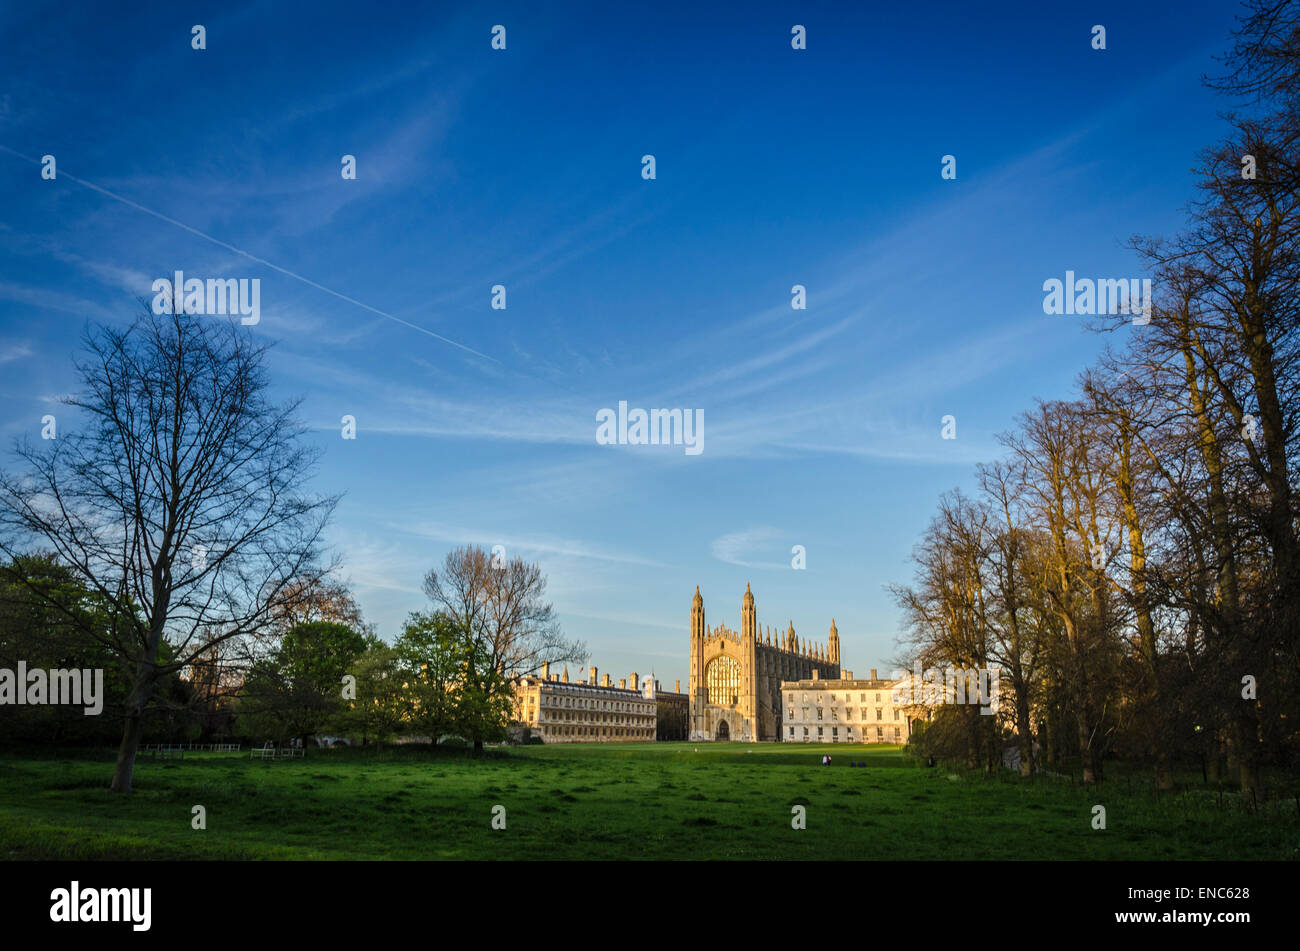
[(1024, 734), (1079, 697), (1085, 748), (125, 767), (1149, 685)]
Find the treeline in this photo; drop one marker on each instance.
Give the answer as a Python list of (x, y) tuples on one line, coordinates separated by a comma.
[(317, 670), (1132, 564)]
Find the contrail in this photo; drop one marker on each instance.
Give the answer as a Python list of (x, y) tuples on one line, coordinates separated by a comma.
[(252, 257)]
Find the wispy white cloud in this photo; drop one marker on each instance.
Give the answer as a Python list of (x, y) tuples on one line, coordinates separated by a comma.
[(10, 351), (44, 298), (626, 620), (522, 544), (735, 548)]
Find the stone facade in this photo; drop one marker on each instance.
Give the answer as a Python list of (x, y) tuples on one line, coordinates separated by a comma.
[(586, 712), (735, 680), (845, 710), (673, 713)]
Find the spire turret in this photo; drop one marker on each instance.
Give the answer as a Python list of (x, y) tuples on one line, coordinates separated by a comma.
[(748, 615), (697, 639)]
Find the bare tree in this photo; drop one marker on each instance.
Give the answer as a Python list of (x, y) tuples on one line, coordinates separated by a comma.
[(950, 613), (1015, 643), (1233, 283), (317, 597), (1065, 474), (178, 496), (499, 607)]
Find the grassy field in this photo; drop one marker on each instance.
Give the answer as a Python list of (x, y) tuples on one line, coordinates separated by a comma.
[(621, 801)]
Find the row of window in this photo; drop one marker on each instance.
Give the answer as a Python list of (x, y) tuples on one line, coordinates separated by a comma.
[(848, 733), (848, 697), (595, 717), (586, 704), (835, 714), (593, 731)]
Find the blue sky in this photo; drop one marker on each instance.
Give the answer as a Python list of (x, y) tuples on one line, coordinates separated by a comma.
[(522, 167)]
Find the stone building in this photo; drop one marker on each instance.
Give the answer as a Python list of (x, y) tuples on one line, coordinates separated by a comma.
[(560, 711), (735, 680), (673, 713), (845, 710)]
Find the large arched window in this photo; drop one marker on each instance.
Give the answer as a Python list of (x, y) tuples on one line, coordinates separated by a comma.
[(723, 680)]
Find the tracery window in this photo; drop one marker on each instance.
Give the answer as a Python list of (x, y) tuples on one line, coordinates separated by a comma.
[(722, 677)]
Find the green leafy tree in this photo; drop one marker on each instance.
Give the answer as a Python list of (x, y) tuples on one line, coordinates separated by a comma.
[(34, 631), (51, 620), (379, 710), (299, 689), (431, 654), (485, 701)]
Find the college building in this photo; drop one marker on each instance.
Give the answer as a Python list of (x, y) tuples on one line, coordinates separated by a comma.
[(673, 712), (591, 711), (845, 710)]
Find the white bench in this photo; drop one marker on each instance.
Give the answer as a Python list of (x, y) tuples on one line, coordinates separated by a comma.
[(268, 751)]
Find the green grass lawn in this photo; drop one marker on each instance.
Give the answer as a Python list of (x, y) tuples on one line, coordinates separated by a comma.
[(618, 801)]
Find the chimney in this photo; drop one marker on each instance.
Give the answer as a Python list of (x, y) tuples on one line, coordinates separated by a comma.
[(846, 675), (815, 673), (592, 679), (546, 670), (873, 674), (604, 681), (632, 681), (622, 683), (677, 686)]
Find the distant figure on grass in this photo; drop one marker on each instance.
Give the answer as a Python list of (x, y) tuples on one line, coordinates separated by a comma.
[(826, 761)]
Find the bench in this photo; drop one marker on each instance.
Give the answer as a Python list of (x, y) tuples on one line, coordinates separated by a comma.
[(269, 751)]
